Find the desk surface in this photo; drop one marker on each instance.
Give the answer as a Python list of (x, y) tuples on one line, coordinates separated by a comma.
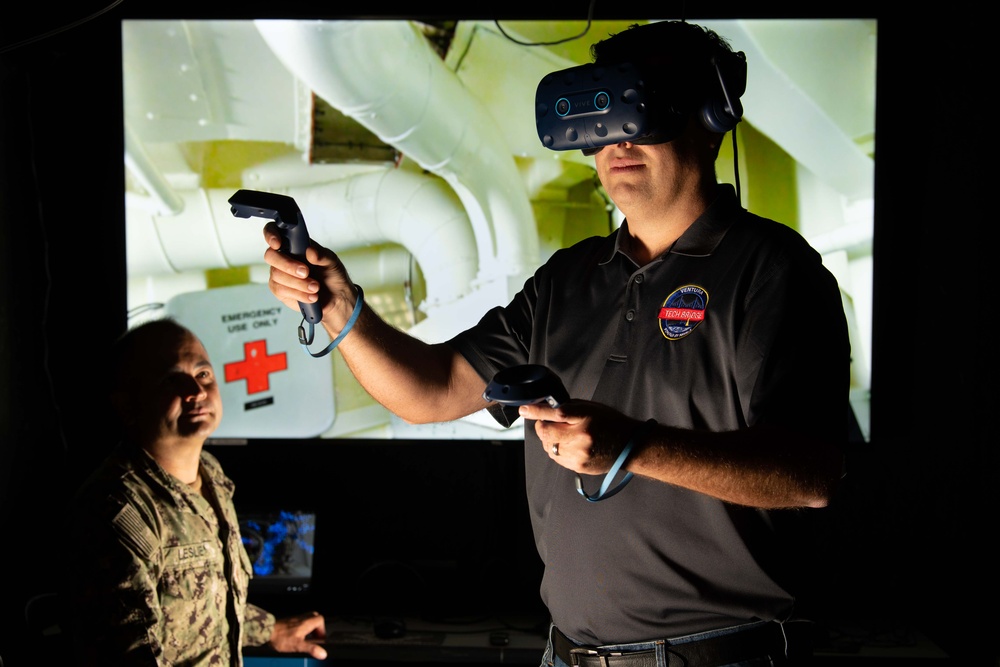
[(492, 641), (522, 642)]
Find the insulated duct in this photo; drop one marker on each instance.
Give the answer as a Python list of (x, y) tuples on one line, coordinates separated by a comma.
[(418, 212), (408, 98), (777, 106)]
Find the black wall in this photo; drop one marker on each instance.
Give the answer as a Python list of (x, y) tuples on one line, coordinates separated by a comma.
[(431, 530), (910, 538)]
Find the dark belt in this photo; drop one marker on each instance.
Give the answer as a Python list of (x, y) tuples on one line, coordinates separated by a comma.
[(766, 639)]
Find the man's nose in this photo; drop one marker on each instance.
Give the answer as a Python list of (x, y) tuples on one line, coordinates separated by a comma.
[(192, 390)]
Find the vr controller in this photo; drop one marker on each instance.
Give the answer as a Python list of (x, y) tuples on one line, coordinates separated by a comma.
[(526, 385), (286, 215), (591, 106), (534, 384)]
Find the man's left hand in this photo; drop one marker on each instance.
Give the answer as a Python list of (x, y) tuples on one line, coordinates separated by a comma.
[(583, 436)]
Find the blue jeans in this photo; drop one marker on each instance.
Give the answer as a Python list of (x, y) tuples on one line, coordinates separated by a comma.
[(662, 648)]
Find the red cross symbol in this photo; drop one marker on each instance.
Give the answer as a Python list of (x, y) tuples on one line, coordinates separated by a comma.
[(255, 366)]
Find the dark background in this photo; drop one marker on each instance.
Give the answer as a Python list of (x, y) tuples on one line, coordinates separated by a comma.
[(910, 538)]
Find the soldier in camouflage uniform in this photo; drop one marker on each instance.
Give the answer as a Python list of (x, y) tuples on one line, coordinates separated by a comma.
[(161, 577)]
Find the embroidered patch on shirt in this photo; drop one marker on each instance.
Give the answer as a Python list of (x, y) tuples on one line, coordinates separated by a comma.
[(682, 311)]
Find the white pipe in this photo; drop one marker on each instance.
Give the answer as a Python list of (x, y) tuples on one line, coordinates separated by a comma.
[(852, 238), (416, 211), (385, 76), (421, 213), (779, 108)]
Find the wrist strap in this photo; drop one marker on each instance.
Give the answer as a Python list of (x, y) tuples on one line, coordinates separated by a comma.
[(304, 340), (641, 432)]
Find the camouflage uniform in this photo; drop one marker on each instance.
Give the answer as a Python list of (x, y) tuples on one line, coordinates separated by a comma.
[(161, 577)]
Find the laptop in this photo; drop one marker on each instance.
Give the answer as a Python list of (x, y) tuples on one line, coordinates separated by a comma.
[(281, 544)]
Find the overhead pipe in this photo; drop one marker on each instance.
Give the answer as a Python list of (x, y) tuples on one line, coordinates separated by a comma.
[(416, 211), (777, 106), (407, 97)]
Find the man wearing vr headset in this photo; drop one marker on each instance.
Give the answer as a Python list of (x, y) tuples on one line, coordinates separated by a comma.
[(706, 351)]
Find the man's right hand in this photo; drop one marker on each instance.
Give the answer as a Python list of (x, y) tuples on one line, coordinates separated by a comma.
[(300, 634), (325, 282), (419, 382)]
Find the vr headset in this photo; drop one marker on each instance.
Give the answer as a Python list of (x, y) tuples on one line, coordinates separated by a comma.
[(591, 106)]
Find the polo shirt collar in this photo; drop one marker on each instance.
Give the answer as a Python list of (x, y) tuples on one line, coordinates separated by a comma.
[(704, 234)]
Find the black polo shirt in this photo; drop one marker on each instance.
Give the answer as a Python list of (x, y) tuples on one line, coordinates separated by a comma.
[(740, 323)]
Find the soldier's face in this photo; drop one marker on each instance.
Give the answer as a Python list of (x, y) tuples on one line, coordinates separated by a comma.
[(177, 395)]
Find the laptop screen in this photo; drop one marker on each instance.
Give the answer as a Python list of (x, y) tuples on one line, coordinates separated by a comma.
[(281, 546)]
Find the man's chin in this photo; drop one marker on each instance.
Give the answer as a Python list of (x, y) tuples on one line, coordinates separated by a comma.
[(200, 426)]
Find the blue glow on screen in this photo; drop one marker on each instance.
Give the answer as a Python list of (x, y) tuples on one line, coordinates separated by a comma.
[(280, 544)]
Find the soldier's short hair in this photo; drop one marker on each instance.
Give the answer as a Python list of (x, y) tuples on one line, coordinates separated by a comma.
[(137, 342)]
